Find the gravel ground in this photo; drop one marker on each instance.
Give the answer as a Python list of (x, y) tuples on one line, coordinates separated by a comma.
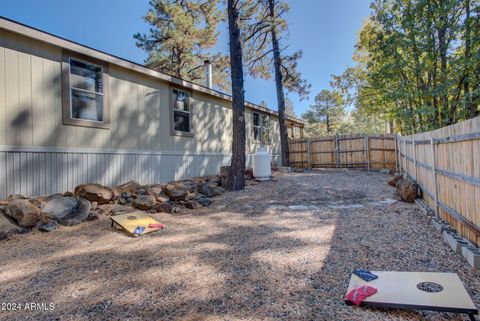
[(280, 250)]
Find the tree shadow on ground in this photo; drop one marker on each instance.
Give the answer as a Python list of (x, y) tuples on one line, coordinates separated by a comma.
[(241, 259)]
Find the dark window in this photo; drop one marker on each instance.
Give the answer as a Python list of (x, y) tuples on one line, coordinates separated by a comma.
[(181, 111)]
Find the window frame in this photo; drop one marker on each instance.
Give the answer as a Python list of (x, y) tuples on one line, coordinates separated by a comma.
[(173, 131), (261, 127), (67, 91)]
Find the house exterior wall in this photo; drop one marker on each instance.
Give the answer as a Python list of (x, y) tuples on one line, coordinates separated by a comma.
[(40, 155)]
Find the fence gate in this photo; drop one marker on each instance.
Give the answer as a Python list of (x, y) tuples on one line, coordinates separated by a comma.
[(344, 151)]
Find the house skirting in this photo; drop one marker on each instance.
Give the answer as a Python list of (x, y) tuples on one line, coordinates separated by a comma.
[(33, 171)]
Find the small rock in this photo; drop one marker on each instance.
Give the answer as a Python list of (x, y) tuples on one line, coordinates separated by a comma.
[(204, 201), (392, 181), (386, 171), (48, 227), (141, 191), (119, 209), (249, 172), (191, 205), (24, 213), (144, 202), (94, 193), (122, 201), (130, 200), (92, 216), (126, 195), (163, 208), (93, 206), (67, 194)]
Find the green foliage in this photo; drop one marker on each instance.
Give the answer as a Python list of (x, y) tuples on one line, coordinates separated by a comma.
[(327, 115), (182, 33), (417, 64)]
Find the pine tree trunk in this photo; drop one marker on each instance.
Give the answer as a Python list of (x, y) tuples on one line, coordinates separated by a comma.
[(282, 119), (237, 178)]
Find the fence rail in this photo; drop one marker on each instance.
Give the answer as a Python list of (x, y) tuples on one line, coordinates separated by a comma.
[(345, 151), (445, 163)]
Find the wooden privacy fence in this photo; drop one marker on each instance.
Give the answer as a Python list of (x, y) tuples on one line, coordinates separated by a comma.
[(445, 163), (344, 151)]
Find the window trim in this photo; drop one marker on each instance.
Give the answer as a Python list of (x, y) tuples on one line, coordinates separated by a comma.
[(174, 132), (67, 96)]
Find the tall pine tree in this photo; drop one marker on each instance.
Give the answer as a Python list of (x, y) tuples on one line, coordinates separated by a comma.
[(237, 169), (181, 36), (265, 56)]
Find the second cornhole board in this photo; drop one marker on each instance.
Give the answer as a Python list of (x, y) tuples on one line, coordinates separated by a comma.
[(399, 290), (130, 221)]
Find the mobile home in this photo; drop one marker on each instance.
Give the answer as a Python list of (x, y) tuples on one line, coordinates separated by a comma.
[(70, 114)]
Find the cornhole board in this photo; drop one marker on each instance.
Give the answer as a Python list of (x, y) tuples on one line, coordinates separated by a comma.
[(399, 290), (130, 221)]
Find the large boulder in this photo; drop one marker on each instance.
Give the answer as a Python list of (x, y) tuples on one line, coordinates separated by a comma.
[(130, 187), (176, 191), (24, 213), (154, 189), (189, 184), (392, 181), (144, 202), (94, 193), (67, 210), (407, 190), (214, 179), (7, 228), (210, 189)]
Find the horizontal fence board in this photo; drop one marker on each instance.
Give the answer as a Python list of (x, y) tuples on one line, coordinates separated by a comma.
[(445, 163), (359, 151)]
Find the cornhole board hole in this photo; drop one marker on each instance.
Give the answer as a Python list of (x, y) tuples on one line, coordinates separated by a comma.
[(442, 292), (130, 221)]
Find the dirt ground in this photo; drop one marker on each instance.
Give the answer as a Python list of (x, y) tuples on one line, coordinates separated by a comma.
[(280, 250)]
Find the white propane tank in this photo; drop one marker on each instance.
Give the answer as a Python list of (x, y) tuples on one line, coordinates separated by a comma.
[(261, 164)]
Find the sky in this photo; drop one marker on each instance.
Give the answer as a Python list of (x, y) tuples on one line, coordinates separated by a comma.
[(326, 31)]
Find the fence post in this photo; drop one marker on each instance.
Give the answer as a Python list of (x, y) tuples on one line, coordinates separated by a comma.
[(337, 158), (367, 152), (309, 145), (414, 158), (396, 154), (434, 171)]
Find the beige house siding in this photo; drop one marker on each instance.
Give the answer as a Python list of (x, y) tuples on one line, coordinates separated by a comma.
[(41, 155)]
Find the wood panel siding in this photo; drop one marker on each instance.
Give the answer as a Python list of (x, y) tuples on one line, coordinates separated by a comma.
[(39, 154)]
